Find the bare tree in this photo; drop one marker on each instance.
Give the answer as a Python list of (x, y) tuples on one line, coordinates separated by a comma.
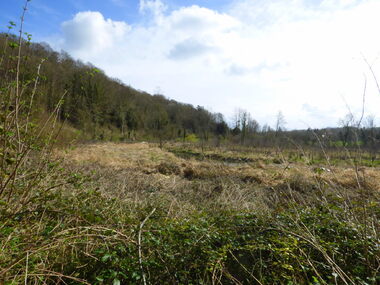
[(280, 122), (244, 124), (369, 136), (346, 132)]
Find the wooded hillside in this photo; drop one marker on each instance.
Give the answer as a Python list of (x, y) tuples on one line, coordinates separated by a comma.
[(104, 107)]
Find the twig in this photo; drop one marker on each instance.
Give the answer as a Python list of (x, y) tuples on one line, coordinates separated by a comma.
[(60, 276), (26, 268), (33, 94), (139, 244), (17, 98), (363, 104), (245, 269), (372, 72)]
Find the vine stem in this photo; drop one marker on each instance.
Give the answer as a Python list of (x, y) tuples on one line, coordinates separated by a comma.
[(139, 244), (17, 99)]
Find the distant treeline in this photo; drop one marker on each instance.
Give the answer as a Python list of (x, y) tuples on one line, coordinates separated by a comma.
[(104, 108)]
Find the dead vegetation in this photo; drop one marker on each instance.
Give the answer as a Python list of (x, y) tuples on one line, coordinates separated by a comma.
[(142, 172), (210, 215), (155, 164), (214, 221)]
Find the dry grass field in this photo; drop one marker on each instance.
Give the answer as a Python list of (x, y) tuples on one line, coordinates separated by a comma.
[(114, 213), (250, 181)]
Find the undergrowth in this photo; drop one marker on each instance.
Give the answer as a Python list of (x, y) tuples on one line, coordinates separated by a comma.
[(82, 236), (62, 224)]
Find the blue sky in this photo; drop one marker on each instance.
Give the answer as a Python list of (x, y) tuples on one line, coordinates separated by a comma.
[(303, 57), (45, 16)]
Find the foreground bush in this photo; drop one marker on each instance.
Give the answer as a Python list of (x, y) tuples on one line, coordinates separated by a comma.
[(82, 237)]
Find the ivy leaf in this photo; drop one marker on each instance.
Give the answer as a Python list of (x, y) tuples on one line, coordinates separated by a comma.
[(106, 257)]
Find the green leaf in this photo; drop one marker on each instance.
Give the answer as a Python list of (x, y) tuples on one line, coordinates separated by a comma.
[(13, 45), (315, 281), (106, 257), (136, 276), (116, 282)]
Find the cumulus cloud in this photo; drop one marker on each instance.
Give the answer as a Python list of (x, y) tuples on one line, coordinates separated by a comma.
[(88, 33), (153, 7), (189, 49), (196, 19), (263, 55), (239, 70)]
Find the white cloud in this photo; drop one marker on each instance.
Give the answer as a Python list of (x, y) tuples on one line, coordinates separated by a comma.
[(333, 4), (88, 33), (264, 56), (189, 49), (153, 7)]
